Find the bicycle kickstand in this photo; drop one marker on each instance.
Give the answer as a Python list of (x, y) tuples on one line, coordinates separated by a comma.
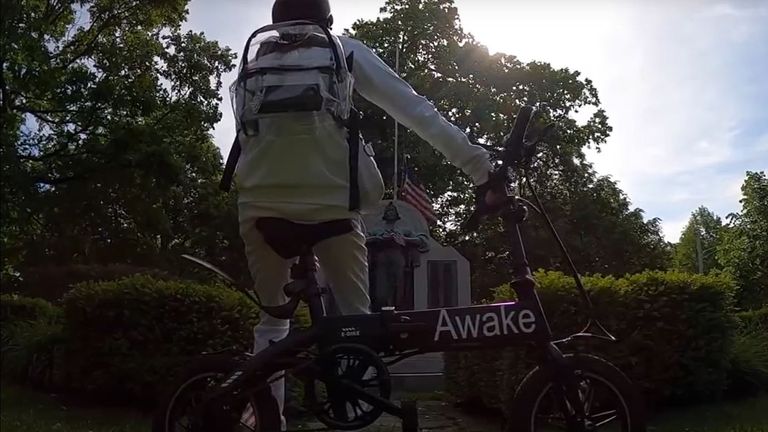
[(410, 416)]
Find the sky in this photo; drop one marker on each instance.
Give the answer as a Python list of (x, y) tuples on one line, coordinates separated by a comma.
[(684, 83)]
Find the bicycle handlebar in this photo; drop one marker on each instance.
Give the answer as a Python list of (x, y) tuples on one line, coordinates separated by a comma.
[(515, 148), (515, 152)]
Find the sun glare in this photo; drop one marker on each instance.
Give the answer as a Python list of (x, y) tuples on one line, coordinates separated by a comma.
[(562, 33)]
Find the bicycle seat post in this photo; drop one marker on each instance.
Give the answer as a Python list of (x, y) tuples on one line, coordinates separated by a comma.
[(305, 271)]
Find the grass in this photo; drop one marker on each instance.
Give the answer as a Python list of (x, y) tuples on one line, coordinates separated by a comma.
[(26, 410), (750, 415)]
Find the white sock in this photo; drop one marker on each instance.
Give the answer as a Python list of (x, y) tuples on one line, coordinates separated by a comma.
[(263, 334)]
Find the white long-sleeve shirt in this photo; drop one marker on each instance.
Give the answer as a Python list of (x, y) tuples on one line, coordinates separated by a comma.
[(274, 180)]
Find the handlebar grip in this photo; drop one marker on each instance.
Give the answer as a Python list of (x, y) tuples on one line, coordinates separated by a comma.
[(513, 144), (522, 119), (513, 153), (497, 181)]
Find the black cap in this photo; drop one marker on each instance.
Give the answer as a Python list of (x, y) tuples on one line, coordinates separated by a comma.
[(291, 10)]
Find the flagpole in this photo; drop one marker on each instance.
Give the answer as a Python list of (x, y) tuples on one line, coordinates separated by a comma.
[(397, 70)]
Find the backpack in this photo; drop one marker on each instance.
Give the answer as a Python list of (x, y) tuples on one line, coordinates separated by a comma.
[(294, 67)]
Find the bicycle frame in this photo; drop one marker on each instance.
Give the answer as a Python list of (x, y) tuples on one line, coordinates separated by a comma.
[(403, 334)]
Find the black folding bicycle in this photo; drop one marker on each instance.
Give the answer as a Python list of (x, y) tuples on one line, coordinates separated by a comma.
[(343, 361)]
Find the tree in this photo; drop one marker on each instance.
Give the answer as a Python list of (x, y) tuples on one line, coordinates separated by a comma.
[(480, 92), (106, 152), (698, 242), (743, 251)]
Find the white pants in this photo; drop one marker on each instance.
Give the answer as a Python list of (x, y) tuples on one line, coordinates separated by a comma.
[(344, 265)]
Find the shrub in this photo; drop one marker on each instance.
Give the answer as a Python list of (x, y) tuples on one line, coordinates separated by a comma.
[(749, 355), (757, 317), (674, 332), (128, 337), (51, 282), (15, 308), (31, 337), (474, 379), (677, 334), (31, 353)]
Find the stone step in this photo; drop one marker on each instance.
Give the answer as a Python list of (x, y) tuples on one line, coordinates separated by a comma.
[(422, 373), (424, 363), (418, 383)]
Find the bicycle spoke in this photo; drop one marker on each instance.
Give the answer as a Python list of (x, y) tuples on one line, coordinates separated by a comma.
[(370, 382), (249, 426), (358, 406), (357, 371), (589, 398), (248, 419), (357, 410), (603, 417)]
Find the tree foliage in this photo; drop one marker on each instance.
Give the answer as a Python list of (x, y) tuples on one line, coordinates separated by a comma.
[(107, 156), (106, 153), (706, 228), (480, 92), (744, 248)]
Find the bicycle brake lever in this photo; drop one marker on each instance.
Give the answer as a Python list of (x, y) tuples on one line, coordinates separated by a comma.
[(529, 147), (497, 181), (530, 144)]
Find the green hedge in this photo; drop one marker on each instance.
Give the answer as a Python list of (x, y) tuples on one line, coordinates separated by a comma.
[(748, 373), (31, 338), (754, 318), (128, 337), (674, 332), (124, 339), (15, 308), (52, 282)]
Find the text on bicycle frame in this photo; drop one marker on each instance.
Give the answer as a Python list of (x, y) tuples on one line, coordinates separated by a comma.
[(501, 321)]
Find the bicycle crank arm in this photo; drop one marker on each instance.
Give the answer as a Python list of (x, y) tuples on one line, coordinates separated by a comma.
[(354, 390)]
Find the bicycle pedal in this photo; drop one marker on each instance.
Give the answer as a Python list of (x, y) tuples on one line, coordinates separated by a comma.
[(410, 416)]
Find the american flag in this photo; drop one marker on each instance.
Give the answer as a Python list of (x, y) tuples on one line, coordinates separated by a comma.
[(414, 194)]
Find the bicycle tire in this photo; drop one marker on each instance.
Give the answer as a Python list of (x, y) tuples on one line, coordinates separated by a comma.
[(265, 405), (535, 385)]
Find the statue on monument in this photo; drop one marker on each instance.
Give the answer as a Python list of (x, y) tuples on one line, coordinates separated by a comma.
[(394, 250)]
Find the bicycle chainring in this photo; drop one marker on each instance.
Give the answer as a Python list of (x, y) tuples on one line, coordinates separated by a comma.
[(335, 407)]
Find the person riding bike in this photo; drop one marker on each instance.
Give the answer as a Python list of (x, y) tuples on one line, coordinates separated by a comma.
[(275, 181)]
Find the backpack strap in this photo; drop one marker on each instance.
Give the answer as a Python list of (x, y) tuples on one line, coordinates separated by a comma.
[(350, 61), (229, 169), (353, 133)]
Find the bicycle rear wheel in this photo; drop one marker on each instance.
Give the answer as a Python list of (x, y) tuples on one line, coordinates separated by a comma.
[(180, 409), (609, 399)]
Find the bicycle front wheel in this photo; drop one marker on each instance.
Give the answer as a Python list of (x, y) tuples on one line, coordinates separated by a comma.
[(180, 409), (608, 398)]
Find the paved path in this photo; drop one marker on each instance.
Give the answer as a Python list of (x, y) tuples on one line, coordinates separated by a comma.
[(433, 416)]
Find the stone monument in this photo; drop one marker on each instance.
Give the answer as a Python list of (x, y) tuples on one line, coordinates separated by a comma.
[(411, 271), (408, 269), (394, 249)]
